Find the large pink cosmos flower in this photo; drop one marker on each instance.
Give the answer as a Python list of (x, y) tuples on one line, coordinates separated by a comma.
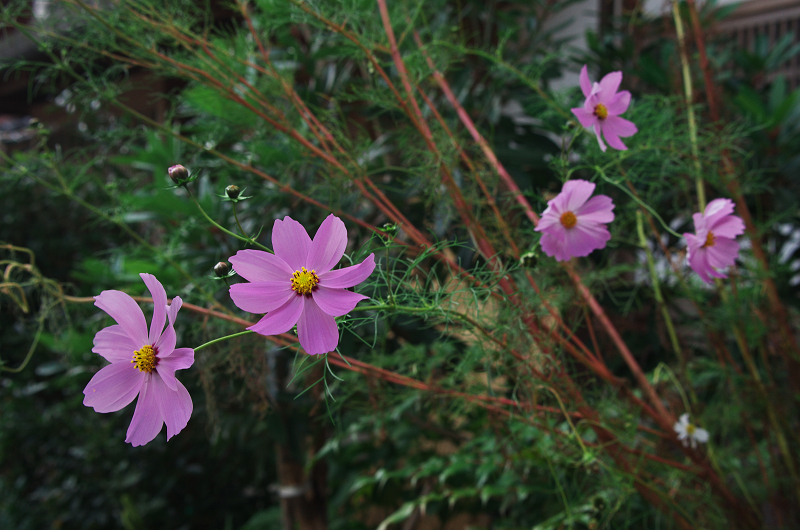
[(713, 244), (602, 108), (142, 364), (574, 225), (296, 284)]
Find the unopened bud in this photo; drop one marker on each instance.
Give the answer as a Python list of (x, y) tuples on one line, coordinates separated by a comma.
[(178, 174), (221, 269), (232, 191)]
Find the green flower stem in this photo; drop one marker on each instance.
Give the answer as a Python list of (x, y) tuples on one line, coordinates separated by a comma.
[(772, 415), (687, 87), (65, 189), (671, 376), (637, 200), (430, 309), (673, 337), (238, 224), (713, 459), (220, 339), (32, 348), (213, 222)]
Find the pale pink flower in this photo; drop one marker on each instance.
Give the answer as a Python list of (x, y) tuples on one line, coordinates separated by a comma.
[(142, 364), (573, 224), (713, 244), (602, 108), (296, 284), (689, 432)]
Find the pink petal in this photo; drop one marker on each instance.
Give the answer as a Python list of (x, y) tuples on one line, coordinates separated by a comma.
[(147, 421), (159, 306), (597, 210), (584, 239), (328, 245), (701, 435), (610, 84), (698, 261), (597, 129), (166, 342), (729, 226), (699, 223), (261, 297), (577, 192), (291, 243), (259, 266), (126, 312), (180, 359), (557, 205), (619, 103), (718, 207), (586, 85), (693, 242), (548, 219), (280, 320), (716, 210), (114, 344), (173, 308), (113, 387), (619, 127), (723, 253), (586, 117), (348, 276), (336, 302), (175, 406), (316, 330), (167, 376), (553, 244), (613, 140)]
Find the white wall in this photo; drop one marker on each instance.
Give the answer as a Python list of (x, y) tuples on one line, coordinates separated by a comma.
[(581, 16), (656, 7)]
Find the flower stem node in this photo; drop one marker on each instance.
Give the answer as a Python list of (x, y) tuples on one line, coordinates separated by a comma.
[(232, 191), (221, 269), (529, 260), (389, 232), (234, 194), (179, 175)]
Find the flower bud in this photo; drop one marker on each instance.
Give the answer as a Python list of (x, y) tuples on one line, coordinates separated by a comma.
[(178, 174), (221, 269), (232, 192)]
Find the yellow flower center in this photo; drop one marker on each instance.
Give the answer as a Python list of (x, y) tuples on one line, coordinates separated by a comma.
[(568, 219), (145, 360), (601, 111), (303, 281), (710, 240), (690, 429)]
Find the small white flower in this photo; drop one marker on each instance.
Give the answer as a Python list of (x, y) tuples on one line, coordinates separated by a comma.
[(690, 432)]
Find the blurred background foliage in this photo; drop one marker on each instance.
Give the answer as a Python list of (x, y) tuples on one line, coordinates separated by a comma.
[(88, 194)]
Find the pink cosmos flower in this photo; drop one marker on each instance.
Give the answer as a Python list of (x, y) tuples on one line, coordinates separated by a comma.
[(296, 284), (142, 364), (602, 109), (713, 244), (574, 225)]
